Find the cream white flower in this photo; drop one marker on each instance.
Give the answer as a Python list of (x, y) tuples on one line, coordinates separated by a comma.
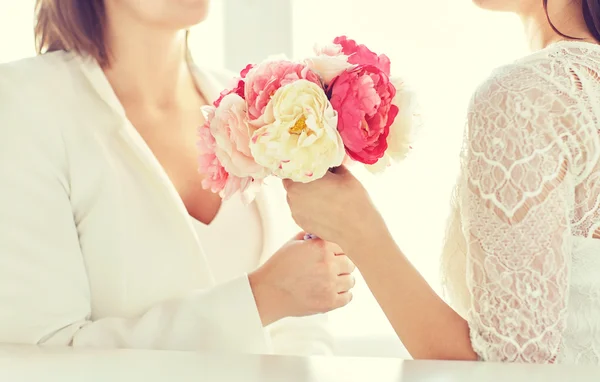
[(403, 129), (300, 140), (328, 61)]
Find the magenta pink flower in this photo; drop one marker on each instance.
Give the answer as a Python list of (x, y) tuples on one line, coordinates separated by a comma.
[(265, 79), (246, 70), (362, 96), (361, 55)]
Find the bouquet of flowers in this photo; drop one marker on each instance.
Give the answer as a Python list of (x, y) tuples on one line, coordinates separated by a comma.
[(298, 119)]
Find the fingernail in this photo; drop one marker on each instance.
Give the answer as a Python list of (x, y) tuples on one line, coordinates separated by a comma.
[(309, 236)]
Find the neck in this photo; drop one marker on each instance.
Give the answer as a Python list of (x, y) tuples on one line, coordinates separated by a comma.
[(148, 66), (566, 17)]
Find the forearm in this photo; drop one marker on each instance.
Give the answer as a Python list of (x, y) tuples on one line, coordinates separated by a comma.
[(426, 325)]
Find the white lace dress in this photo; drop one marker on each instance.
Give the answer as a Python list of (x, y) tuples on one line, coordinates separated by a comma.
[(522, 258)]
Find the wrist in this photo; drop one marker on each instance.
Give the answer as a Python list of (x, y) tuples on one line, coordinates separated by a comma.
[(374, 239), (366, 230), (268, 305)]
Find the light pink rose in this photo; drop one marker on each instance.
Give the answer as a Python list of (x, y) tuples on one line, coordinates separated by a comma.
[(361, 55), (232, 134), (265, 79), (362, 97), (216, 178)]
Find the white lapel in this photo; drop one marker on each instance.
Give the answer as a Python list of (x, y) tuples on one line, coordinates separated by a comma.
[(133, 142), (129, 135)]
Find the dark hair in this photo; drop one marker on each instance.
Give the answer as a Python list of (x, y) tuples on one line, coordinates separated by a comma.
[(591, 15), (71, 25)]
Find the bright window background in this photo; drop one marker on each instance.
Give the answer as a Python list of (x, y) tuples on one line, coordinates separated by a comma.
[(444, 48), (16, 29)]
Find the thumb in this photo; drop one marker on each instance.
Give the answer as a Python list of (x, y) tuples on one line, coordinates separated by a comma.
[(341, 170)]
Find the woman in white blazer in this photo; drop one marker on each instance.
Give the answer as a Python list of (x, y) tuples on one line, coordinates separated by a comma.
[(107, 238)]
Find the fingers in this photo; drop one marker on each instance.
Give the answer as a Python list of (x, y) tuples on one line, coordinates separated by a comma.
[(344, 266), (334, 248), (340, 170), (345, 283), (343, 299)]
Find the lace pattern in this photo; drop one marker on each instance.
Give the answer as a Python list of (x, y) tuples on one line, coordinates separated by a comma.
[(529, 190)]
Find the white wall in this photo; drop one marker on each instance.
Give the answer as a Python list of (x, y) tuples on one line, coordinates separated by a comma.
[(255, 29), (16, 33)]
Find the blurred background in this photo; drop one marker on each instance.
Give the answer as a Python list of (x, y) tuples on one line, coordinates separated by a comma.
[(444, 48)]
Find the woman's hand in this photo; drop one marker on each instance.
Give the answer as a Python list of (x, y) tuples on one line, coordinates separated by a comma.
[(303, 278), (336, 208)]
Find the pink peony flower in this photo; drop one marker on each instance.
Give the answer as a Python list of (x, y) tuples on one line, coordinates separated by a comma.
[(216, 178), (237, 88), (265, 79), (363, 99), (229, 127), (361, 55)]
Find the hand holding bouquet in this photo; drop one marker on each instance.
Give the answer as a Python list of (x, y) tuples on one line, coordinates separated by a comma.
[(298, 119)]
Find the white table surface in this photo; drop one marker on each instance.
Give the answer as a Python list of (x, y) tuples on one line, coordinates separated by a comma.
[(33, 364)]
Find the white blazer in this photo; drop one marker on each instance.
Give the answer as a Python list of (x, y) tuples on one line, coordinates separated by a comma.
[(96, 247)]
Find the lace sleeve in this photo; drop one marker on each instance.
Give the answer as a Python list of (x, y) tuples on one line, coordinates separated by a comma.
[(516, 201)]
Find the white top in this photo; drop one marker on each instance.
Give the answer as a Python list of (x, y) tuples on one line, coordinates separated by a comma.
[(523, 260), (229, 258), (67, 365), (96, 246)]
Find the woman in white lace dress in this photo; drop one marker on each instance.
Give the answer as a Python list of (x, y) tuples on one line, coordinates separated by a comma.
[(522, 258)]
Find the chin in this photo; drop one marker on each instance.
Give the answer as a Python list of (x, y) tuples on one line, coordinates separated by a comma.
[(169, 14), (187, 13), (190, 20)]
